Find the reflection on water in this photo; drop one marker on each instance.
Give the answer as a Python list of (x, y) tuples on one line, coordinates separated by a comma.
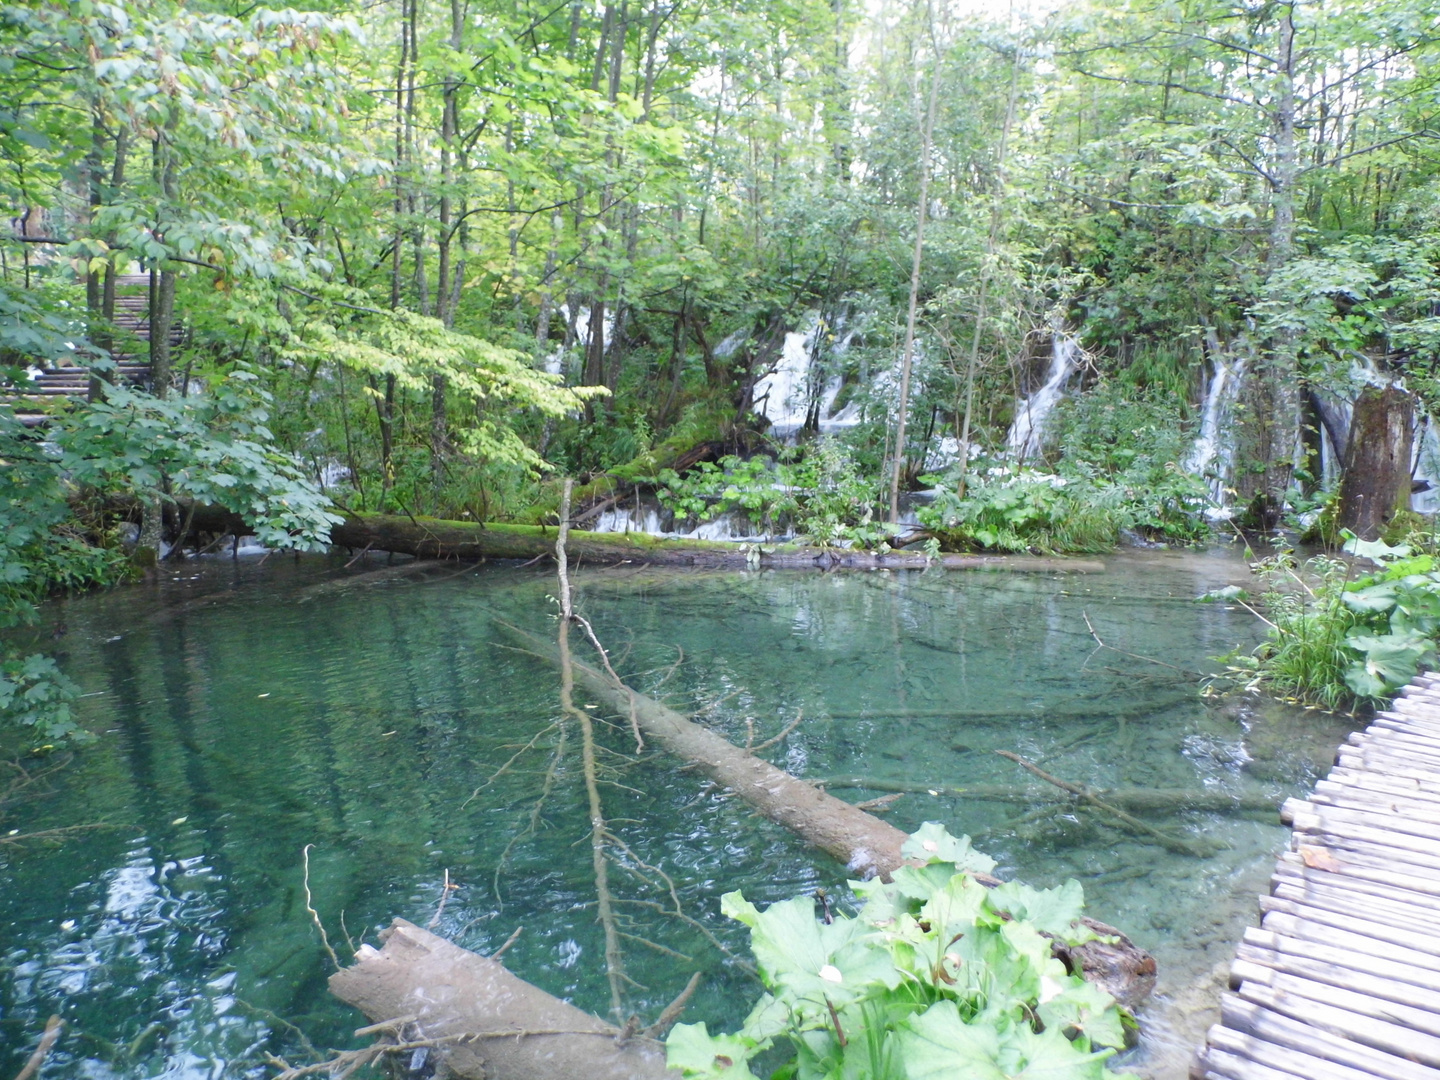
[(245, 713)]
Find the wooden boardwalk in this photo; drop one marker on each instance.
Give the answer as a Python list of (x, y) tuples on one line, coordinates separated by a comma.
[(1341, 980)]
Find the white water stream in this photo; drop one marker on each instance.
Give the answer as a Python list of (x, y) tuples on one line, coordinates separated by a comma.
[(785, 396), (1026, 438), (1213, 455)]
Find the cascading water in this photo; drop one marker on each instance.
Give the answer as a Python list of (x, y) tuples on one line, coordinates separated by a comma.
[(1027, 433), (786, 395), (1425, 471), (1213, 455), (556, 359)]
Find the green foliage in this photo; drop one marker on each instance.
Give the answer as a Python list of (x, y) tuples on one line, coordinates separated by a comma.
[(212, 449), (817, 492), (1135, 437), (36, 695), (1008, 509), (936, 978), (1340, 640)]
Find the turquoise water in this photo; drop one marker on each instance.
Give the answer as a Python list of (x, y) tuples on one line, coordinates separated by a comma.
[(247, 711)]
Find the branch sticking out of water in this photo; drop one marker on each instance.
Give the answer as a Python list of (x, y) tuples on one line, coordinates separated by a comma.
[(315, 915), (614, 958)]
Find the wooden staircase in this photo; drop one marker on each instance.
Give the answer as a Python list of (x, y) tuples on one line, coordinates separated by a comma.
[(35, 400)]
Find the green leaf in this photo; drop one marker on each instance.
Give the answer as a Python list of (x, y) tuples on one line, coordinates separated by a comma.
[(938, 1045), (1052, 911), (696, 1053), (1088, 1010), (933, 843)]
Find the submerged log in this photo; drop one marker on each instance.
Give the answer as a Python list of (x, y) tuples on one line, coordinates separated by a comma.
[(489, 1024), (434, 538), (1159, 800), (1376, 480), (865, 844)]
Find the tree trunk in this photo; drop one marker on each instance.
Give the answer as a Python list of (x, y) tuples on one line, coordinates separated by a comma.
[(1376, 481), (526, 1034), (908, 355), (1269, 423)]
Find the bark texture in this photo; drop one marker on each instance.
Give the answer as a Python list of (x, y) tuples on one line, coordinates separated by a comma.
[(452, 992), (1376, 480)]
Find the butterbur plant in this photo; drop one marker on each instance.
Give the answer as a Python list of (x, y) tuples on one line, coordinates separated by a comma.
[(936, 978)]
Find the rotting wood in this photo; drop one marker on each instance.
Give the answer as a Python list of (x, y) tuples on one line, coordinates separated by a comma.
[(437, 538), (451, 992)]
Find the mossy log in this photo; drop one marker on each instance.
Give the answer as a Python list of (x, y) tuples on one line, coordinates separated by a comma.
[(438, 539), (862, 842)]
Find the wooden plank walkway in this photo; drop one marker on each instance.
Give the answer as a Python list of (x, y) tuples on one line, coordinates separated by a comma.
[(1341, 980)]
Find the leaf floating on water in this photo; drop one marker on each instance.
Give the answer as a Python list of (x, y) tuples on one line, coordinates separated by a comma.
[(1319, 859)]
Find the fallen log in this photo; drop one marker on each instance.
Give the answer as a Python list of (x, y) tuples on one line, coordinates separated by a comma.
[(491, 1024), (1162, 800), (866, 845), (438, 539)]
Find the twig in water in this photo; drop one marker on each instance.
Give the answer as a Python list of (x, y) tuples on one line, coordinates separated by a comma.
[(1134, 656), (788, 729), (1176, 844), (357, 558), (506, 767), (508, 942), (614, 967), (445, 891), (672, 1012), (315, 915), (47, 1040)]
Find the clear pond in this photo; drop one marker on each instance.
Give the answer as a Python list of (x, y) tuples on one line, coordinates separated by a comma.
[(246, 712)]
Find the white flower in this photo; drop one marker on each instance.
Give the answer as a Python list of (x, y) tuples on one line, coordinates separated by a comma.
[(1049, 989), (830, 973)]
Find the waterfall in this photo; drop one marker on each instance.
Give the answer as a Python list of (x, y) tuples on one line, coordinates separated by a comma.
[(1213, 455), (785, 396), (1027, 433), (1425, 470), (781, 396)]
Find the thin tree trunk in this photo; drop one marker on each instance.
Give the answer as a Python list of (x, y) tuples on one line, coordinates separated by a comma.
[(907, 356), (992, 239), (1270, 428)]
